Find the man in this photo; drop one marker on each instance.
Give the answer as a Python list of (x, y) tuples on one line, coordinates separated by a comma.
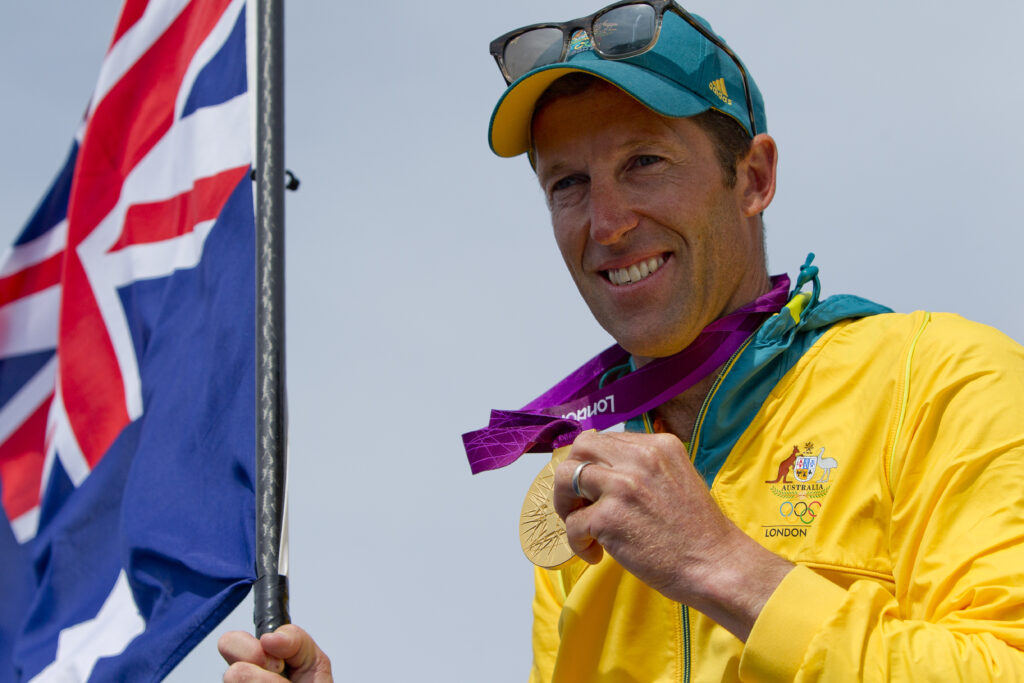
[(835, 498)]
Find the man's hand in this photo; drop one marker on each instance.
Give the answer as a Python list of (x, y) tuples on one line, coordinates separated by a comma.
[(265, 659), (647, 506)]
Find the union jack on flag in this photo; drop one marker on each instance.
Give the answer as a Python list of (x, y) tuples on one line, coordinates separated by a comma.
[(127, 362)]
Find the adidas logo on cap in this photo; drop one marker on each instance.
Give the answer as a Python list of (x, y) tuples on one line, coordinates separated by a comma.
[(718, 87)]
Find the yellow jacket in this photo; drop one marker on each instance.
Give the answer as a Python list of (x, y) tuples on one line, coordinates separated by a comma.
[(885, 456)]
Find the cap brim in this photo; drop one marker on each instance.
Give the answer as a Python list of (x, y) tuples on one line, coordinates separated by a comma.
[(509, 133)]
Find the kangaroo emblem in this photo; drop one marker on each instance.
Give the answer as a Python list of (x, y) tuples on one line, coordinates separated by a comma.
[(784, 466)]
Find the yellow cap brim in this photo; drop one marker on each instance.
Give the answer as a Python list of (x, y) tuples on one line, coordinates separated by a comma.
[(510, 123)]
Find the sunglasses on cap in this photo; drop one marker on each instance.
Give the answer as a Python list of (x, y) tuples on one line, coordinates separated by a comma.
[(620, 30)]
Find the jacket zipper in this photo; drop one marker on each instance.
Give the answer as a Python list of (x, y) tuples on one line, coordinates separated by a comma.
[(684, 610), (711, 392)]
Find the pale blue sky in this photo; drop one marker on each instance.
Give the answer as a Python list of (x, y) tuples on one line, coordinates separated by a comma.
[(425, 288)]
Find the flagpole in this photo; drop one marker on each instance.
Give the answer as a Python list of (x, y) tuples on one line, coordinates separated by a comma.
[(271, 589)]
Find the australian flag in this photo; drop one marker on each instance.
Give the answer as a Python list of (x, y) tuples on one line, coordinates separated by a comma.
[(127, 362)]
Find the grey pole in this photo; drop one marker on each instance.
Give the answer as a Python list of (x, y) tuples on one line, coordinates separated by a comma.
[(271, 589)]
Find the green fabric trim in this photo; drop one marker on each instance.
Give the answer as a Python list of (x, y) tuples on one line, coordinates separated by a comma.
[(777, 346)]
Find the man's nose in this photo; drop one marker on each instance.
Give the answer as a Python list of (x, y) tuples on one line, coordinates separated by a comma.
[(611, 213)]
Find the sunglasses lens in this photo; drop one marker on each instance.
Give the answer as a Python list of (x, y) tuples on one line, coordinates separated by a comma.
[(624, 30), (538, 47)]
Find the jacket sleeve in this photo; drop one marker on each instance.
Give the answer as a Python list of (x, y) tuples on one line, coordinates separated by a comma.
[(547, 607), (955, 467)]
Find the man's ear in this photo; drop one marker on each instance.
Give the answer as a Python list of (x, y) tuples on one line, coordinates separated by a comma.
[(755, 175)]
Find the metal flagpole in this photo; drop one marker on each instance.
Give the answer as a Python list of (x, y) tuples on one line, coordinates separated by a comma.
[(271, 589)]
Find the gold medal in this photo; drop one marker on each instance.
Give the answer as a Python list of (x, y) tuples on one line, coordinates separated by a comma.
[(541, 530)]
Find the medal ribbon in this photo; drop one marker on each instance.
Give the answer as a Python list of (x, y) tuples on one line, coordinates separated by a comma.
[(579, 402)]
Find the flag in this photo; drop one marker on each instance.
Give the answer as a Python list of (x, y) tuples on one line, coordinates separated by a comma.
[(127, 364)]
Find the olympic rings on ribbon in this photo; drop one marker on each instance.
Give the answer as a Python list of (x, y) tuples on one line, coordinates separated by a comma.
[(805, 512)]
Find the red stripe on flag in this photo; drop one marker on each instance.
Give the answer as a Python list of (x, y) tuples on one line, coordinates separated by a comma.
[(21, 463), (158, 221), (90, 376), (136, 112), (35, 278), (130, 13)]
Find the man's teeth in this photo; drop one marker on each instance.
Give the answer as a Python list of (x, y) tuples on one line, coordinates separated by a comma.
[(635, 272)]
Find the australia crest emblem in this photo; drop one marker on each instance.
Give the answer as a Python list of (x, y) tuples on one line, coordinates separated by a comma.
[(805, 466), (803, 479), (811, 472)]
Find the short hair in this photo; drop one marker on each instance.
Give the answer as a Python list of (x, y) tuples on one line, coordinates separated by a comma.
[(730, 139)]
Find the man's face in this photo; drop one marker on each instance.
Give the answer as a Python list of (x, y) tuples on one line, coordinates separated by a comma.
[(658, 246)]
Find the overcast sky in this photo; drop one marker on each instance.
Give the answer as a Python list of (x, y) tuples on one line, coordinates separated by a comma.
[(425, 288)]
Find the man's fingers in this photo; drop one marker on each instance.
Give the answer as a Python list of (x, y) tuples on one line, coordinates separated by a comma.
[(592, 553), (239, 646), (581, 536), (577, 482), (264, 659), (590, 464), (588, 479), (247, 658), (245, 672), (296, 648)]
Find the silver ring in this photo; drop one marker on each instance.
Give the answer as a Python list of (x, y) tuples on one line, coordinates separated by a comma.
[(576, 480)]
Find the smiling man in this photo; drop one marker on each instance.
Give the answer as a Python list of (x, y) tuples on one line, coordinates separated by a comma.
[(803, 488), (657, 242)]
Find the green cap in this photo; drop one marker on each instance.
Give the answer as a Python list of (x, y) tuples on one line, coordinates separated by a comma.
[(684, 74)]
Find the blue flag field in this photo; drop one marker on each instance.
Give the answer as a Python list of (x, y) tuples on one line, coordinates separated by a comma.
[(127, 364)]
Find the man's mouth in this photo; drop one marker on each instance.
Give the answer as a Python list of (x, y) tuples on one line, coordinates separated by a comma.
[(634, 273)]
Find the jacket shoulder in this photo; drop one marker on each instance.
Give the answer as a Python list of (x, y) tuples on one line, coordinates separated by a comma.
[(932, 333)]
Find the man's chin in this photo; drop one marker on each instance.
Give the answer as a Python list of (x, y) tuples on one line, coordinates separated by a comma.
[(645, 347)]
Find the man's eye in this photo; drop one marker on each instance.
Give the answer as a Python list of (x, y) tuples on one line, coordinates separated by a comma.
[(567, 182), (646, 160)]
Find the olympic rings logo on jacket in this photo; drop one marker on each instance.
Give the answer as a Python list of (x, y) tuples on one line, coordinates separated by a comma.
[(805, 512)]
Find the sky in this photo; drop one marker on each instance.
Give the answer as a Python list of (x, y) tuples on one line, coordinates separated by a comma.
[(424, 286)]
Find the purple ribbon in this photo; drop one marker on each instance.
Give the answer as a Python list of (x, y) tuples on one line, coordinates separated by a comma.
[(579, 402)]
